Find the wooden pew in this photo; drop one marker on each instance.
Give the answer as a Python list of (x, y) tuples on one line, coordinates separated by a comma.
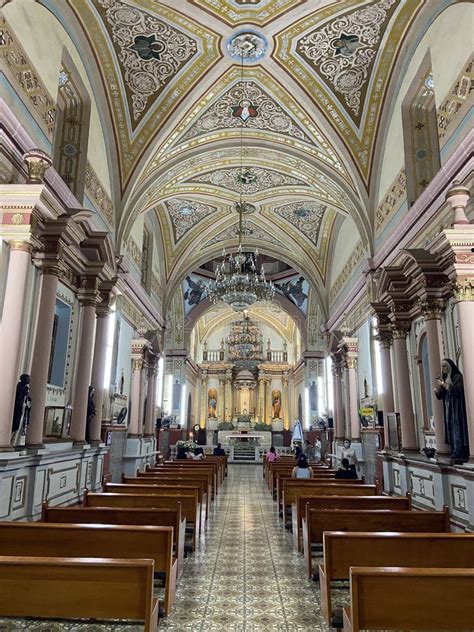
[(173, 473), (417, 550), (111, 515), (153, 486), (316, 522), (175, 468), (293, 487), (78, 588), (190, 507), (398, 598), (170, 479), (277, 467), (195, 466), (323, 477), (39, 539), (298, 508)]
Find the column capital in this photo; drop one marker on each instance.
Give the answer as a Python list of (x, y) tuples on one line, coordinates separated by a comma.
[(351, 362), (400, 329), (385, 339), (21, 245), (137, 364), (463, 289), (88, 292), (37, 163), (432, 308)]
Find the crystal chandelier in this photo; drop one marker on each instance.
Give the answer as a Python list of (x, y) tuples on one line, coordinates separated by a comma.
[(245, 341), (239, 282)]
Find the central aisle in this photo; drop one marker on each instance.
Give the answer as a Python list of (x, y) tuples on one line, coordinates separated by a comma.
[(245, 576)]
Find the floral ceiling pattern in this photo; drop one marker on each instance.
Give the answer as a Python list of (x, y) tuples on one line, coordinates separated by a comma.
[(235, 12), (306, 216), (343, 51), (249, 180), (185, 214), (249, 229), (263, 113), (150, 51)]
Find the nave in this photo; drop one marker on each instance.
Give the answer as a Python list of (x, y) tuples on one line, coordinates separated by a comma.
[(245, 575)]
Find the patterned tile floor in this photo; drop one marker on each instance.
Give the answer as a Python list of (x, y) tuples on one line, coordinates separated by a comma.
[(245, 576)]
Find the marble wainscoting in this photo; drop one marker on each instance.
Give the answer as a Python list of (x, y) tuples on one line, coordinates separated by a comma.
[(432, 485), (57, 473), (139, 452)]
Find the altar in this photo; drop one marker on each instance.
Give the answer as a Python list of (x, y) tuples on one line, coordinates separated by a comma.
[(256, 438)]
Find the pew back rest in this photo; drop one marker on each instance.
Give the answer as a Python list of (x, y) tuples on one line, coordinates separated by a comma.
[(352, 502), (293, 488), (38, 539), (138, 488), (399, 598), (77, 588), (443, 550), (319, 521)]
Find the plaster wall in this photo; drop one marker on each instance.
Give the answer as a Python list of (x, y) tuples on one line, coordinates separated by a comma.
[(30, 21), (449, 53), (347, 238)]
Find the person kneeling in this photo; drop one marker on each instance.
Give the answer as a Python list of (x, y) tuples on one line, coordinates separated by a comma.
[(345, 471)]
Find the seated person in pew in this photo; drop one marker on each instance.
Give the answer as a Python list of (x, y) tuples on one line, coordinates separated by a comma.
[(218, 450), (345, 471), (302, 469), (272, 455), (182, 453), (198, 454)]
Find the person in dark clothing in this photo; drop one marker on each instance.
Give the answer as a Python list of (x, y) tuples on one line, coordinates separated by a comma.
[(218, 450), (346, 471), (182, 453)]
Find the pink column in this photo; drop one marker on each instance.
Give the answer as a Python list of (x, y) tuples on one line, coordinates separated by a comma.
[(433, 334), (387, 394), (10, 335), (407, 418), (150, 398), (338, 405), (353, 399), (134, 425), (347, 404), (41, 355), (466, 335), (98, 370), (83, 370)]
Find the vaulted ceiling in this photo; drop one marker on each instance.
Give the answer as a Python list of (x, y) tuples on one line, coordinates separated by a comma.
[(300, 116)]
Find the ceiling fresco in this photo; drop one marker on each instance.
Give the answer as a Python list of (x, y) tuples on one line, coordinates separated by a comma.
[(278, 101)]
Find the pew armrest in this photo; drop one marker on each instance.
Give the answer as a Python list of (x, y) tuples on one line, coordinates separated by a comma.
[(152, 625), (346, 614), (325, 588)]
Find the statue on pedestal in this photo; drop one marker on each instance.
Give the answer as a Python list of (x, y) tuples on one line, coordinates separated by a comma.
[(451, 390), (91, 410)]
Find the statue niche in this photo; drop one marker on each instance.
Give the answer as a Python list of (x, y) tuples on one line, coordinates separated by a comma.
[(276, 404), (212, 403)]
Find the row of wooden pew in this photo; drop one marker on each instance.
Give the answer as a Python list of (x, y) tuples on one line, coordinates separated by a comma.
[(102, 559), (405, 569)]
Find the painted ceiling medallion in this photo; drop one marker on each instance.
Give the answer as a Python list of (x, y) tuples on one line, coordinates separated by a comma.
[(247, 46), (150, 51), (250, 181), (185, 214), (343, 51), (306, 216), (246, 102)]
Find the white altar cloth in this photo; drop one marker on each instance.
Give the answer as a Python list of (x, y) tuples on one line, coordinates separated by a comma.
[(264, 438)]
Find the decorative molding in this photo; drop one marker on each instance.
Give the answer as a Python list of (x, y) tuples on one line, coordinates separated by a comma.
[(392, 201), (95, 190), (134, 251), (251, 180), (457, 101), (345, 275)]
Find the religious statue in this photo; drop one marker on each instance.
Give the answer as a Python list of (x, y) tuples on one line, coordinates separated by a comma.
[(212, 403), (276, 404), (22, 407), (121, 383), (91, 410), (451, 390)]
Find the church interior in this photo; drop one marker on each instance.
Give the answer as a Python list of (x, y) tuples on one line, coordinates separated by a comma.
[(237, 315)]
